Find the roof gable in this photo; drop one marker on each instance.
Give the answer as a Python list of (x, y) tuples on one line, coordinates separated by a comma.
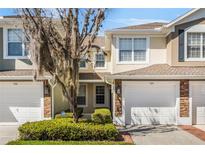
[(192, 15)]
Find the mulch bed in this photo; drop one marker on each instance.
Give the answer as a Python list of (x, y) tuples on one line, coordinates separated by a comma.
[(126, 137), (194, 131)]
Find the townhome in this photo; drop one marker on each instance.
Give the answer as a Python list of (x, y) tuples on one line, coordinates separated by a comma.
[(146, 74), (158, 71)]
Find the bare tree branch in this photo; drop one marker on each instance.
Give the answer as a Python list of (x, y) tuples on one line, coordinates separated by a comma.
[(58, 40)]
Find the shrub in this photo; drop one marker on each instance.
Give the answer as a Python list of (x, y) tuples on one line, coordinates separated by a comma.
[(65, 129), (64, 115), (79, 112), (69, 114), (102, 116)]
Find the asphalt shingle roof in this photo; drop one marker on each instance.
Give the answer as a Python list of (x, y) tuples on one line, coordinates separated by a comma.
[(165, 69), (145, 26), (29, 74)]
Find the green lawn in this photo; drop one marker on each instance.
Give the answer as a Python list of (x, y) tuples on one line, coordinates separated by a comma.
[(22, 142)]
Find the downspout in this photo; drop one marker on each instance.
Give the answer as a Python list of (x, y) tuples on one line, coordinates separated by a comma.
[(52, 96)]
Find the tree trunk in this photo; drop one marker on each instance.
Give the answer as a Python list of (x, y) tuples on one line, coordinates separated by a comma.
[(74, 104), (74, 88)]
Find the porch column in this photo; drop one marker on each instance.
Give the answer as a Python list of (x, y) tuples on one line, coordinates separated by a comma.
[(47, 100), (118, 98), (184, 98)]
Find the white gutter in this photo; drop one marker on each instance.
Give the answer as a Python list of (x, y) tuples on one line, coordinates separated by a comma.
[(52, 98), (142, 77)]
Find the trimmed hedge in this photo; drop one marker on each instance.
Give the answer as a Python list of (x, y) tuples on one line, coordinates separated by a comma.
[(65, 129), (70, 114), (37, 142), (102, 116), (65, 115)]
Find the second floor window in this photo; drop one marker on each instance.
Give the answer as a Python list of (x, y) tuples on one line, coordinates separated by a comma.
[(125, 49), (17, 45), (195, 45), (132, 49), (83, 63), (99, 60)]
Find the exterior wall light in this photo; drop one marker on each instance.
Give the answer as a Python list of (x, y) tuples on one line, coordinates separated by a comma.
[(118, 90)]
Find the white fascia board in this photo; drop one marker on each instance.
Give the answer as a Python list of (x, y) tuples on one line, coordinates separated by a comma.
[(181, 17), (91, 81), (151, 77), (157, 30)]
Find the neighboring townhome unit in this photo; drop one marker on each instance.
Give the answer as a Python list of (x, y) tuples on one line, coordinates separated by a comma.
[(25, 99), (158, 71), (21, 98)]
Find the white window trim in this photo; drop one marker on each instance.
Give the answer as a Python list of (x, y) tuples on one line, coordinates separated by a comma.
[(86, 95), (5, 46), (133, 62), (194, 29), (100, 68), (99, 105)]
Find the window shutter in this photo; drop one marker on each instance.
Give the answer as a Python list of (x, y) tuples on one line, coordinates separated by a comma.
[(181, 45)]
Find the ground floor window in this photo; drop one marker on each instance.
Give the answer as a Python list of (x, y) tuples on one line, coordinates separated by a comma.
[(100, 94), (81, 99)]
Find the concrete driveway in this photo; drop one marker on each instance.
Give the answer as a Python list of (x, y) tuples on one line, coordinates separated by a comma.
[(8, 133), (162, 135)]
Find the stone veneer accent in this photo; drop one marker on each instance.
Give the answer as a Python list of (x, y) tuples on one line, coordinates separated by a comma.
[(118, 98), (47, 100), (184, 98)]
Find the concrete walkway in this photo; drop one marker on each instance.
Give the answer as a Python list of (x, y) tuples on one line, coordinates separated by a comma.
[(198, 132), (202, 127), (8, 133), (162, 135)]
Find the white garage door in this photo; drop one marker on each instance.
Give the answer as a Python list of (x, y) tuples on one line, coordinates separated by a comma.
[(150, 102), (198, 101), (20, 102)]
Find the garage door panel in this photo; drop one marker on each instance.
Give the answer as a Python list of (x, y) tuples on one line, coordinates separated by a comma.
[(26, 113), (150, 102), (152, 111), (145, 120), (200, 110), (150, 120), (20, 102), (144, 111), (168, 119), (167, 111), (198, 102)]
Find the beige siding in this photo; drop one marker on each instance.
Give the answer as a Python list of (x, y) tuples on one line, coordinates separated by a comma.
[(90, 65), (157, 55), (11, 64), (172, 46), (62, 104)]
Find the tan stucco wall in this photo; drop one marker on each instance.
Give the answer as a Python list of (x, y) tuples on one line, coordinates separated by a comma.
[(61, 103), (90, 65), (11, 64), (157, 55), (172, 46)]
